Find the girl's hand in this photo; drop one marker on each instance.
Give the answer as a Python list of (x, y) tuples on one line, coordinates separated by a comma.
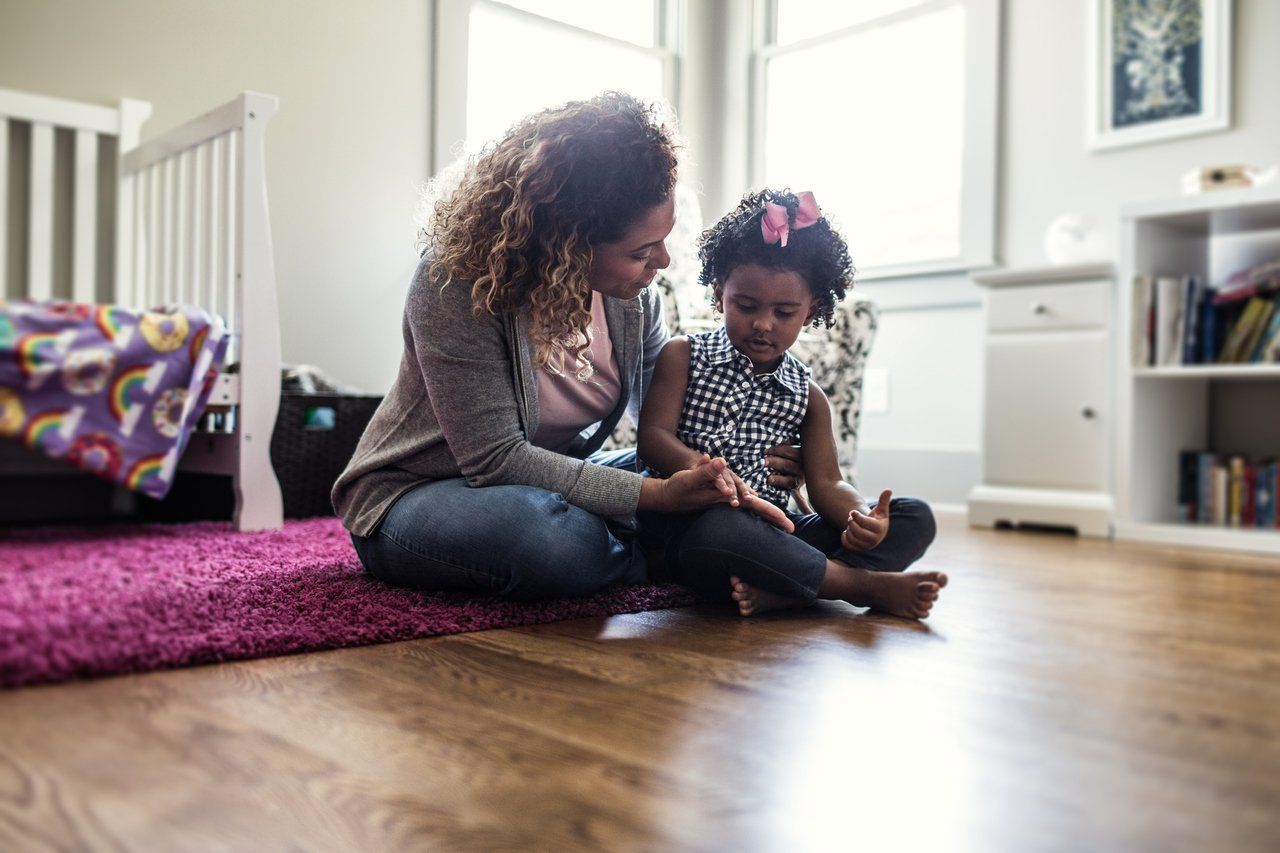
[(867, 531), (786, 462)]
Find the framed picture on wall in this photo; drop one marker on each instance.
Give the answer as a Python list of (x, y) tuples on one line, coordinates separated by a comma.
[(1157, 69)]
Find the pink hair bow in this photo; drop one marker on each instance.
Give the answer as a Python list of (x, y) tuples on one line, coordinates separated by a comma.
[(774, 224)]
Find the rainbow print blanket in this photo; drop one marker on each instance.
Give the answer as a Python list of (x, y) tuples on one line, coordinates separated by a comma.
[(110, 390)]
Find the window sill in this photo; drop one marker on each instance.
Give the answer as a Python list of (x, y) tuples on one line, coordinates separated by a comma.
[(950, 266)]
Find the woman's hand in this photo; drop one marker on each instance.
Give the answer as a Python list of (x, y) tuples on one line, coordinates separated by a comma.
[(867, 530), (750, 500), (786, 461), (697, 487), (708, 482), (769, 512)]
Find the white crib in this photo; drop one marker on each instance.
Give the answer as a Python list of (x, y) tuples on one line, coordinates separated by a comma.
[(181, 218)]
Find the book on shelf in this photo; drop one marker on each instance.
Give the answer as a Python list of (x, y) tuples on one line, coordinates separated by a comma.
[(1219, 495), (1268, 348), (1235, 490), (1227, 491), (1267, 473), (1140, 341), (1210, 330), (1168, 325), (1233, 350), (1244, 283), (1204, 491), (1194, 293), (1188, 486), (1249, 496), (1180, 320)]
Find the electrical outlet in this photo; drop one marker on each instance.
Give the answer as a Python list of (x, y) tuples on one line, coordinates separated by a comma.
[(875, 391)]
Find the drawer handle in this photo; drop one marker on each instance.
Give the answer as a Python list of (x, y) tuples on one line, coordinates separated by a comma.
[(1088, 413), (1039, 308)]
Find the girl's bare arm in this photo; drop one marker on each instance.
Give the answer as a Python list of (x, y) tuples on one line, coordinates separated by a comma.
[(656, 434), (832, 497)]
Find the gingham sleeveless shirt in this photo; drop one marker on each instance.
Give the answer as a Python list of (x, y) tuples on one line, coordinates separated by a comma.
[(730, 411)]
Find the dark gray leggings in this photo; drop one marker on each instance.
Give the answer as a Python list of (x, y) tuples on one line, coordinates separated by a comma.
[(703, 550)]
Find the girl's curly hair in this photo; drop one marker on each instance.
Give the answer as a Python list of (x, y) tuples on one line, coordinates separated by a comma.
[(526, 212), (818, 253)]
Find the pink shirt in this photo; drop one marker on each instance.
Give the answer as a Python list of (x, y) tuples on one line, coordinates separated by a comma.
[(568, 405)]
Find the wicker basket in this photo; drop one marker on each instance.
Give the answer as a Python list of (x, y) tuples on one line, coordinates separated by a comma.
[(314, 438)]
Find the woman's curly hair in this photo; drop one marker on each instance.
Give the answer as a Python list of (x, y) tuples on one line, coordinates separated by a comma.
[(818, 253), (527, 210)]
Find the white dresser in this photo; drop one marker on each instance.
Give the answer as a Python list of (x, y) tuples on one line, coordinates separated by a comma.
[(1047, 409)]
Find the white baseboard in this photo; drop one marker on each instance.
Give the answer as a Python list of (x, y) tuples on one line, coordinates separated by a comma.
[(1090, 513)]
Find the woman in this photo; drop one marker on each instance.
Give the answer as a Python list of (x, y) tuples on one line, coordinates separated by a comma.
[(474, 472), (528, 331)]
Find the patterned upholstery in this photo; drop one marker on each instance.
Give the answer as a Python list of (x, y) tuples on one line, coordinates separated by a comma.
[(837, 357)]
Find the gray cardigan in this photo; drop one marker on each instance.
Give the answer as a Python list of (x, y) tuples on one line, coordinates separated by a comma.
[(463, 405)]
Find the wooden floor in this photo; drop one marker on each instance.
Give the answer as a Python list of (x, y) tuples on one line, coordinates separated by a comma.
[(1067, 694)]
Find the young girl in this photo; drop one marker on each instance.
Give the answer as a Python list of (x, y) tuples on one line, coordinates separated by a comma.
[(775, 265)]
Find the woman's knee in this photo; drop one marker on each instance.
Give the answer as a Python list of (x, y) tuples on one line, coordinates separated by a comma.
[(564, 551), (544, 547), (392, 562), (517, 541)]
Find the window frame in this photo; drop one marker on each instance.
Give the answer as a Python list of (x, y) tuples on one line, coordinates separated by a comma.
[(452, 24), (981, 111)]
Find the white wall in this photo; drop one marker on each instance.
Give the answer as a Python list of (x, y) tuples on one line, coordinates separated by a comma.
[(1045, 167), (929, 440), (351, 142), (344, 153)]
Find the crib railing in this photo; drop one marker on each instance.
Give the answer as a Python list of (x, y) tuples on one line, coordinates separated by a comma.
[(186, 217), (192, 238), (199, 234), (63, 179)]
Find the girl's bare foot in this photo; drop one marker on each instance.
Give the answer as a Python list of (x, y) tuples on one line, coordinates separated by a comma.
[(753, 602), (907, 594)]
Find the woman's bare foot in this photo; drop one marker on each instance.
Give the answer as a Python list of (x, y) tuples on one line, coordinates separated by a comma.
[(907, 594), (753, 602)]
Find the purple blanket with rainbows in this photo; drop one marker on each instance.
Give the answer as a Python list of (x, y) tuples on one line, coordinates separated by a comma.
[(111, 390)]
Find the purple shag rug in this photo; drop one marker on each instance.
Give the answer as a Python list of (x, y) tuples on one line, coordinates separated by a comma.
[(101, 601)]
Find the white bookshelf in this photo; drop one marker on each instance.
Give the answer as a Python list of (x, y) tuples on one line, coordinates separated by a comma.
[(1166, 409), (1211, 371)]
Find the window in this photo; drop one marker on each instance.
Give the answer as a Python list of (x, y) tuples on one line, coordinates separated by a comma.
[(498, 61), (886, 109)]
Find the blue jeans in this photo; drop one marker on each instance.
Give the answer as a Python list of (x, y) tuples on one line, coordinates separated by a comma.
[(528, 544)]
